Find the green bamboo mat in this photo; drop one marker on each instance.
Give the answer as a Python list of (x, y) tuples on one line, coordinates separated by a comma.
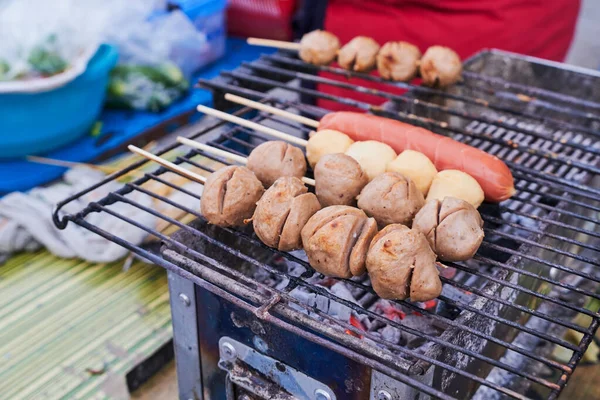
[(73, 329)]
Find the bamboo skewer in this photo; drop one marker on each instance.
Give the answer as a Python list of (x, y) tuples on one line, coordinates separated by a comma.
[(167, 164), (279, 44), (251, 125), (226, 154), (212, 150), (273, 110)]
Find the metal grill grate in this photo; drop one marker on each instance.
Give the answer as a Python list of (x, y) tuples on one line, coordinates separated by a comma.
[(534, 276)]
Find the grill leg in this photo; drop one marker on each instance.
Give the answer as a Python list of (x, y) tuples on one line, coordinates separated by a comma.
[(185, 337)]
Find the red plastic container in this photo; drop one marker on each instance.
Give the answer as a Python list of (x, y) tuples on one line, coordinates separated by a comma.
[(270, 19)]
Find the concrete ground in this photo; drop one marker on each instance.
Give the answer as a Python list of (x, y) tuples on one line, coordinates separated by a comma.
[(584, 52)]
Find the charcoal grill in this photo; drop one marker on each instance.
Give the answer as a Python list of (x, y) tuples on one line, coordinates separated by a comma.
[(251, 322)]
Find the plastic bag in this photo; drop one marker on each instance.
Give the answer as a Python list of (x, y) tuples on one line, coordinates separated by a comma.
[(42, 39), (158, 54)]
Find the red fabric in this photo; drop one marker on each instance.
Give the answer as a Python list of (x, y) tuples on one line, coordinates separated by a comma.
[(540, 28), (270, 19)]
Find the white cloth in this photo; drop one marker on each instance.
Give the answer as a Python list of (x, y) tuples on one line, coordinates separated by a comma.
[(26, 220)]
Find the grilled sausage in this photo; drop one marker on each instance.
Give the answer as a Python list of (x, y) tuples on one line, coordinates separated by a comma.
[(452, 227), (401, 264), (319, 47), (339, 179), (336, 239), (489, 171), (359, 54), (440, 66), (282, 212), (391, 198), (398, 61), (230, 195), (274, 159), (326, 142)]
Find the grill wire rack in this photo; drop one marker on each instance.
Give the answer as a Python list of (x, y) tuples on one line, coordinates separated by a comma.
[(535, 276)]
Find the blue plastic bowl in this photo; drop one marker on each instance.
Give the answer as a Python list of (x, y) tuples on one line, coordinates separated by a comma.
[(34, 123)]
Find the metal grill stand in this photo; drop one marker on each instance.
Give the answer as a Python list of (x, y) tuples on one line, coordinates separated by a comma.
[(499, 315)]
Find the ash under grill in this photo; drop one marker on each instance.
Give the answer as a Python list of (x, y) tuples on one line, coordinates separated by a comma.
[(491, 332)]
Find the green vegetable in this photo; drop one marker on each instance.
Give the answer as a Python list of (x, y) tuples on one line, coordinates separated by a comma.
[(146, 87), (4, 68), (45, 59)]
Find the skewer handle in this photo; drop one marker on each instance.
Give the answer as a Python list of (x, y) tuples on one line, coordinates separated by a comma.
[(250, 124), (167, 164), (275, 111), (279, 44), (212, 150)]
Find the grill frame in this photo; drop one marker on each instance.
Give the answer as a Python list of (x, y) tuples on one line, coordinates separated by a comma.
[(79, 218)]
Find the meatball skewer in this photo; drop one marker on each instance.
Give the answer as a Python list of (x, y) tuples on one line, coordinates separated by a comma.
[(339, 177), (318, 144), (317, 47), (265, 160), (233, 196), (373, 156), (229, 196)]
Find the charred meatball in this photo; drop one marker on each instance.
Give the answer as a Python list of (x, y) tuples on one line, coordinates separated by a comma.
[(401, 264), (440, 66), (319, 47), (359, 54), (282, 212), (453, 228), (391, 198), (398, 61), (339, 179), (230, 195), (274, 159), (336, 240)]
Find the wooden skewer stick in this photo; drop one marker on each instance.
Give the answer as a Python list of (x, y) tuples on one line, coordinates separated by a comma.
[(226, 154), (251, 125), (168, 164), (212, 150), (273, 110), (279, 44)]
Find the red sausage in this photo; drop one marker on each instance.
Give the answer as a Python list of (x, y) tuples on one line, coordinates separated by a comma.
[(493, 174)]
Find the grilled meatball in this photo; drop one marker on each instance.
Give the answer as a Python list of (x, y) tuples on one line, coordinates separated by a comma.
[(230, 195), (373, 156), (282, 212), (359, 54), (326, 141), (274, 159), (398, 61), (416, 166), (453, 228), (440, 66), (336, 240), (319, 47), (391, 198), (339, 179), (401, 264), (455, 183)]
